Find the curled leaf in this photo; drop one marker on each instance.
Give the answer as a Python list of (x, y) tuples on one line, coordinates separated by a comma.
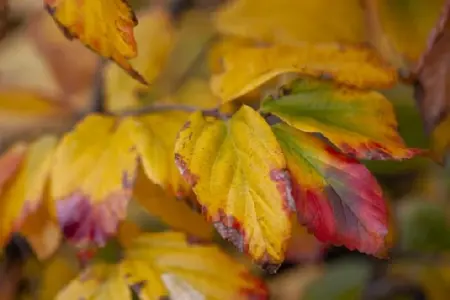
[(337, 198), (237, 171), (359, 122), (92, 179), (163, 266), (247, 67)]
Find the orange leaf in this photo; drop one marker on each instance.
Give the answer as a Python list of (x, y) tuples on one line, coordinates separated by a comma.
[(104, 26)]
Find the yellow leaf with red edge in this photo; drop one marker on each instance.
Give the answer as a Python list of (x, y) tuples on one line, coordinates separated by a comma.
[(104, 26), (155, 37), (23, 194), (359, 122), (237, 171), (154, 138), (293, 22), (167, 265), (92, 179), (176, 213), (247, 67), (336, 196)]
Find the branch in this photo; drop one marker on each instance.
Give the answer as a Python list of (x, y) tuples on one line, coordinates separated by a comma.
[(98, 93), (155, 108)]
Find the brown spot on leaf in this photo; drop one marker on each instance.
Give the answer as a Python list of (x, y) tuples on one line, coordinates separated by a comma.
[(283, 180), (182, 166)]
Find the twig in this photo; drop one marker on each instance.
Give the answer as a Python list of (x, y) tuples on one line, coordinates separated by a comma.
[(155, 108), (98, 93)]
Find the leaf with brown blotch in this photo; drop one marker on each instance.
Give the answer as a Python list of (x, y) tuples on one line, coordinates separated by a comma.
[(248, 67), (432, 89), (359, 122), (238, 172), (23, 194), (104, 26), (167, 266), (336, 196), (176, 213), (92, 179)]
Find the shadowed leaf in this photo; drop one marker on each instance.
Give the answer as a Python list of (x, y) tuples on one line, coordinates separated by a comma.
[(176, 213), (337, 198)]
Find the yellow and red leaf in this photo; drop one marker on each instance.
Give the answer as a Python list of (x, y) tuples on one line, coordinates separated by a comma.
[(336, 197), (238, 173), (92, 179), (359, 122)]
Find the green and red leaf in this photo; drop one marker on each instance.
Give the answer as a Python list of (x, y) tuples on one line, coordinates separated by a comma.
[(336, 197)]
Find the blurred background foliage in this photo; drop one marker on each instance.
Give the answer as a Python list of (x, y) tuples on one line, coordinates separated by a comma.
[(34, 56)]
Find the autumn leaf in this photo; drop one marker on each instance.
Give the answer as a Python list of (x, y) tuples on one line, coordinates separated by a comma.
[(92, 179), (237, 170), (166, 265), (433, 74), (303, 247), (154, 138), (155, 37), (336, 197), (104, 26), (10, 162), (247, 67), (293, 22), (23, 193), (176, 213), (359, 122)]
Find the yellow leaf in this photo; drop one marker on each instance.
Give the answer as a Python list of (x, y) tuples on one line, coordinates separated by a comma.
[(104, 26), (166, 265), (154, 138), (155, 37), (174, 212), (247, 67), (237, 170), (24, 193), (92, 179), (292, 22)]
